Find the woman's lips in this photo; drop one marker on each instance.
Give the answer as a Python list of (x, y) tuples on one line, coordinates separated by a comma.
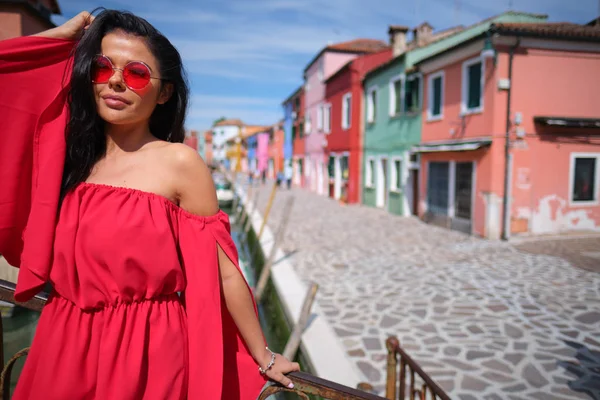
[(115, 102)]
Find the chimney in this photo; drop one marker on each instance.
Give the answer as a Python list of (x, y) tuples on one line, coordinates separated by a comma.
[(423, 34), (398, 39)]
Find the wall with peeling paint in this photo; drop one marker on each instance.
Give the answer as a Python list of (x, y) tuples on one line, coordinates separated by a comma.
[(552, 83)]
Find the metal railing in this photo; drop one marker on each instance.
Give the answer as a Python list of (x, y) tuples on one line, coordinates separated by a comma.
[(396, 382)]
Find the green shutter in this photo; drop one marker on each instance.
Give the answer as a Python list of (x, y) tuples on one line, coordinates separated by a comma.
[(474, 90), (437, 96)]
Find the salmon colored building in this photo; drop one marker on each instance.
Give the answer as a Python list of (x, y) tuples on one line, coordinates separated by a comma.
[(536, 84), (343, 125), (23, 18), (275, 152)]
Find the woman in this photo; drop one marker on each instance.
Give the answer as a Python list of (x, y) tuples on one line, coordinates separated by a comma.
[(122, 218)]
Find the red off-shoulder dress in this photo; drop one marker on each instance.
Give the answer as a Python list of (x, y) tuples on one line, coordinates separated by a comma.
[(137, 310)]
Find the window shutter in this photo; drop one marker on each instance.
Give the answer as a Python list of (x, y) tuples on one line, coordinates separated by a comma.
[(474, 93), (437, 96)]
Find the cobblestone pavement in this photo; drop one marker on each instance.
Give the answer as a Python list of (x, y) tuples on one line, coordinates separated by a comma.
[(484, 319)]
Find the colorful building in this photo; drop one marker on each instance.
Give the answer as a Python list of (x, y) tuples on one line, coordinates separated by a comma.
[(250, 143), (262, 152), (207, 153), (24, 18), (317, 115), (393, 109), (343, 97), (297, 129), (223, 132), (275, 152), (510, 141), (292, 115)]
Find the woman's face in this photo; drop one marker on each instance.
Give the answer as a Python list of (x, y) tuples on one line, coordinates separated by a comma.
[(117, 103)]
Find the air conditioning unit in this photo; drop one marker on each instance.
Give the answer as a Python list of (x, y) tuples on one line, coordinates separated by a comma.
[(294, 115)]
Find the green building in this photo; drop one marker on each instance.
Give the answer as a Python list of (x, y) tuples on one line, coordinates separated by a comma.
[(393, 97)]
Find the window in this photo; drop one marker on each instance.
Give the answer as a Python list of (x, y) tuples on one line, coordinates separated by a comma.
[(412, 94), (327, 118), (584, 178), (344, 167), (320, 118), (307, 125), (301, 130), (300, 166), (370, 181), (346, 110), (472, 86), (331, 167), (435, 96), (294, 132), (396, 95), (372, 105), (297, 104), (396, 181)]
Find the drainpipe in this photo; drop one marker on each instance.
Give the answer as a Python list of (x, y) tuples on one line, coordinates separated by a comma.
[(507, 155)]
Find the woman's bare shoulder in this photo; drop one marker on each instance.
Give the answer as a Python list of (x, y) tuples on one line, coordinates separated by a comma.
[(191, 178)]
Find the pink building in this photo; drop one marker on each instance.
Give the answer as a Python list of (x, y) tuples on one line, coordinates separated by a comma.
[(538, 82), (317, 113), (262, 152)]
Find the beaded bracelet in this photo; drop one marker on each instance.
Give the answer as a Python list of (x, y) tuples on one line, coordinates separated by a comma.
[(270, 365)]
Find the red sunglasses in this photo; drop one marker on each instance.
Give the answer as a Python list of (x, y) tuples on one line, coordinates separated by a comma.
[(136, 74)]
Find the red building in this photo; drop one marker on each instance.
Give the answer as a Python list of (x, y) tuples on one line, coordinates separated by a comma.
[(343, 123), (298, 136)]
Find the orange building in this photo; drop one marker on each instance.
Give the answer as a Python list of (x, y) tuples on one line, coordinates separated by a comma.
[(23, 18), (537, 85), (275, 152)]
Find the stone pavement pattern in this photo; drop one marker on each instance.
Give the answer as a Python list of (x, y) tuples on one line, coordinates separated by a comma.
[(484, 320)]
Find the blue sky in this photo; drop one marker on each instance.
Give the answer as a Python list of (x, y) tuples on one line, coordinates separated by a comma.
[(244, 57)]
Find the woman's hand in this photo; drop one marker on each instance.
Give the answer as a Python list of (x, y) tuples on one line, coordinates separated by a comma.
[(72, 29), (281, 367)]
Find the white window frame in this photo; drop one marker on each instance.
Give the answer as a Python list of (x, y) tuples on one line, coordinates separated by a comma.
[(430, 117), (347, 111), (392, 96), (464, 89), (394, 174), (327, 118), (370, 173), (371, 113), (596, 200)]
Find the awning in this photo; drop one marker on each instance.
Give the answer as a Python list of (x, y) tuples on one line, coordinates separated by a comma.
[(568, 122), (452, 145)]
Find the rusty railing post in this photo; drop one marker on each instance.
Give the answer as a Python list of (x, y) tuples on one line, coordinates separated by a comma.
[(392, 361)]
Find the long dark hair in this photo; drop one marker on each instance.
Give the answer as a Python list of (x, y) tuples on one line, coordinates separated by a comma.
[(86, 141)]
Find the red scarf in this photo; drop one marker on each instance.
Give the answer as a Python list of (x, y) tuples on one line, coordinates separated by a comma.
[(34, 74)]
